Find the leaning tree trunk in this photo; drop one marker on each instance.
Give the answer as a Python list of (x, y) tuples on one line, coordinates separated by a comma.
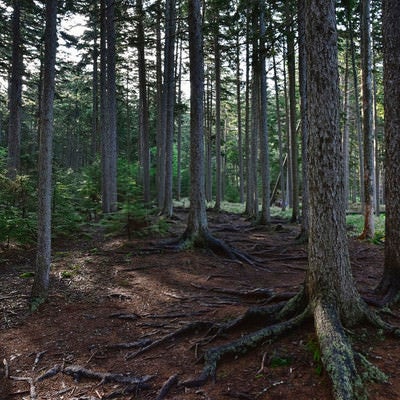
[(390, 283), (43, 259)]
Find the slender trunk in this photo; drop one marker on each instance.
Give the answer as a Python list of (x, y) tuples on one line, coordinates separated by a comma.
[(357, 110), (280, 140), (14, 126), (218, 170), (292, 119), (94, 147), (346, 129), (390, 283), (369, 226), (43, 259), (239, 122), (197, 219), (289, 175), (169, 104), (304, 117), (160, 138), (143, 105), (265, 216)]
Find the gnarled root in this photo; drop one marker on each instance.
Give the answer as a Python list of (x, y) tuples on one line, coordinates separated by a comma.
[(204, 239), (336, 353), (242, 345)]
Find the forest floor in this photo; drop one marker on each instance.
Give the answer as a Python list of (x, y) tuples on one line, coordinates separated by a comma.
[(110, 296)]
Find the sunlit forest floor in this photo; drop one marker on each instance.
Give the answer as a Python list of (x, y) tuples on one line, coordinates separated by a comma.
[(112, 296)]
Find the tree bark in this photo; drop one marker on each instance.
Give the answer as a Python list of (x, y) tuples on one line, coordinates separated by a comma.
[(304, 119), (330, 287), (143, 106), (108, 107), (14, 126), (390, 283), (197, 219), (218, 128), (43, 259), (265, 215), (168, 105), (292, 113), (368, 137)]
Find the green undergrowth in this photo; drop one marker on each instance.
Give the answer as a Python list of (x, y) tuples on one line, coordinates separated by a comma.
[(355, 225)]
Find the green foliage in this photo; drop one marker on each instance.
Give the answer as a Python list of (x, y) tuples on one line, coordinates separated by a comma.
[(26, 275), (72, 271), (35, 303), (278, 361), (67, 209), (17, 216), (313, 347), (355, 223)]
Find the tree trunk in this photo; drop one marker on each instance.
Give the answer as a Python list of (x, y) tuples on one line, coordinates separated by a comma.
[(356, 105), (197, 219), (218, 128), (280, 137), (390, 283), (346, 129), (168, 105), (329, 282), (368, 136), (160, 142), (265, 215), (239, 122), (109, 112), (304, 118), (43, 259), (292, 119), (14, 126), (143, 105)]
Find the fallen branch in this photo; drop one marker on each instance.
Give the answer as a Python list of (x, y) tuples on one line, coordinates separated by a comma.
[(32, 388)]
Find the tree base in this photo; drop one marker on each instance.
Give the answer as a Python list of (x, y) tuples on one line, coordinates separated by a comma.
[(205, 240)]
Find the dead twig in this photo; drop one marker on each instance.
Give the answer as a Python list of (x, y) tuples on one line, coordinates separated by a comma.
[(261, 370)]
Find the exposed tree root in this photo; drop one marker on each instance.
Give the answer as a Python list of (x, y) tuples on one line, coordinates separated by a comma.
[(184, 330), (206, 240), (347, 369), (252, 293), (242, 345), (167, 386), (389, 292), (78, 373)]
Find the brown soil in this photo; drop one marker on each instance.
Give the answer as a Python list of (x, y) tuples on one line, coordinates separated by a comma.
[(107, 291)]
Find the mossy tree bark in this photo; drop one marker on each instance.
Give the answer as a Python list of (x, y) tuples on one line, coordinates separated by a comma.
[(390, 283)]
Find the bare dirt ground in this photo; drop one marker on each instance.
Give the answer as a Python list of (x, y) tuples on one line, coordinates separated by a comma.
[(111, 296)]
